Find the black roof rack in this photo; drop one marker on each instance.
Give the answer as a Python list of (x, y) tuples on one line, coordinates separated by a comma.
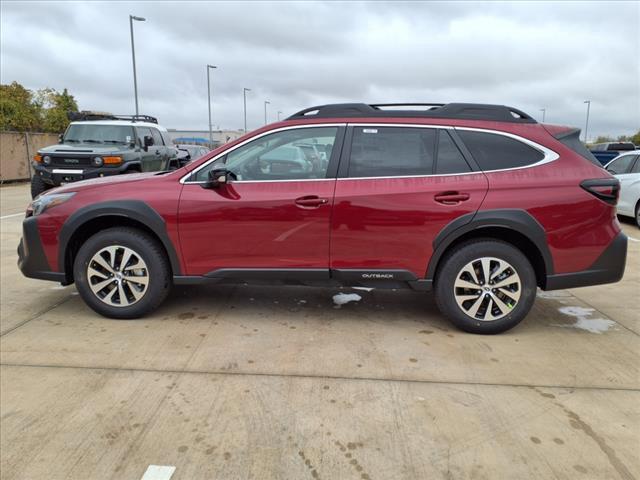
[(462, 111), (86, 115)]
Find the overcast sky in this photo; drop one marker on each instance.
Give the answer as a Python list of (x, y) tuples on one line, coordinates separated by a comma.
[(298, 54)]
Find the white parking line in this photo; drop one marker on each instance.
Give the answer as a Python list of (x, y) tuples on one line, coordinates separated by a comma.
[(633, 239), (12, 215), (158, 472)]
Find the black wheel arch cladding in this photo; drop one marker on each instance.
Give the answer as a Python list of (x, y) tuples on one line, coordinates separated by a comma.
[(136, 210), (515, 220)]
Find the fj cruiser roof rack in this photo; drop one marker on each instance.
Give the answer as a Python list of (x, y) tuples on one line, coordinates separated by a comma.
[(86, 115), (463, 111)]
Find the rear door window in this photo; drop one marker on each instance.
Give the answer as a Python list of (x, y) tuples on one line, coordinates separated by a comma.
[(497, 152), (636, 167), (391, 151), (450, 159)]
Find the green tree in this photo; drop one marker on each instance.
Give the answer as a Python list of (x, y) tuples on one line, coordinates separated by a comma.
[(43, 111), (635, 138), (18, 111), (55, 116), (603, 139)]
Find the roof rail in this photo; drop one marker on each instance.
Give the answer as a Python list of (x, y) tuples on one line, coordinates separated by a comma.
[(86, 115), (462, 111)]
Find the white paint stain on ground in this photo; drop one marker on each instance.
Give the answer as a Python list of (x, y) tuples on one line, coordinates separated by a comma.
[(633, 239), (364, 289), (158, 472), (553, 294), (344, 298), (583, 322)]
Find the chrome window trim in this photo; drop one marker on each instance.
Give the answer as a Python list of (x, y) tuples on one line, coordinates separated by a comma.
[(549, 155), (184, 181)]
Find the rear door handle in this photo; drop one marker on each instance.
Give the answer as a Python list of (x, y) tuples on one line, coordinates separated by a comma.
[(451, 198), (311, 201)]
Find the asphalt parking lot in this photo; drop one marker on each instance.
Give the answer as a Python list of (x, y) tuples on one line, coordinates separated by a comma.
[(239, 382)]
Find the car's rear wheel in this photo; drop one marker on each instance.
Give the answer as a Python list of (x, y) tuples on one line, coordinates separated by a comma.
[(485, 286), (38, 186), (122, 273), (638, 214)]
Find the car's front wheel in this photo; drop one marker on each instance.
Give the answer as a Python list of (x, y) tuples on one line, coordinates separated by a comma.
[(122, 273), (485, 286)]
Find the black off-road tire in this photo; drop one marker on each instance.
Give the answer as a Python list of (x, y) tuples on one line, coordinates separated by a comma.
[(462, 255), (38, 186), (148, 249)]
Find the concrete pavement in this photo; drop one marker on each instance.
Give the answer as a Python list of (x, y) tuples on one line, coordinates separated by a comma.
[(278, 382)]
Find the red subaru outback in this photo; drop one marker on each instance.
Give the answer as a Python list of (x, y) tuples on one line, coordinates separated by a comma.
[(479, 203)]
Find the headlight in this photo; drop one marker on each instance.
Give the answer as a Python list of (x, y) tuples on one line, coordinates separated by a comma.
[(97, 161), (44, 202), (46, 159)]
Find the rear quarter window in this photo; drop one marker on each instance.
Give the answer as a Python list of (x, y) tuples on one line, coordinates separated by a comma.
[(493, 151)]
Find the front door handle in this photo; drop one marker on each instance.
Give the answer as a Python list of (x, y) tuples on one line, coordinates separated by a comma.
[(311, 201), (451, 198), (157, 152)]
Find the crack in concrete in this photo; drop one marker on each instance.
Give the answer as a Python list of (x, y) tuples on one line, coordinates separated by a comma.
[(322, 377), (576, 422), (36, 315)]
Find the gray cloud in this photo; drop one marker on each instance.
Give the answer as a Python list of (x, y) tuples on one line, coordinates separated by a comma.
[(530, 55)]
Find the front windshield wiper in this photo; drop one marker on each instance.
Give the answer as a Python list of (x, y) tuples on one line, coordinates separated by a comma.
[(113, 141), (92, 141), (70, 140)]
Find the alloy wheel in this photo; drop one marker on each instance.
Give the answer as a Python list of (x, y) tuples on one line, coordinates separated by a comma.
[(487, 288), (118, 276)]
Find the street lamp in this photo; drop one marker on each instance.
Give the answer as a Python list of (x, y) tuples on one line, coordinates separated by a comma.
[(133, 57), (209, 67), (586, 127), (266, 102), (244, 93), (279, 112), (544, 111)]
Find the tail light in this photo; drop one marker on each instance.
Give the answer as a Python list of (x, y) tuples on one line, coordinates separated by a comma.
[(606, 189)]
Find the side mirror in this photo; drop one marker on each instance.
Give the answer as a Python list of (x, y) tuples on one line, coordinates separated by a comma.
[(147, 141), (218, 177), (61, 138)]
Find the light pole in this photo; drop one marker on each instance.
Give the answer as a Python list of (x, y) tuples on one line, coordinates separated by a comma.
[(209, 67), (133, 57), (544, 111), (586, 126), (279, 112), (266, 102), (244, 93)]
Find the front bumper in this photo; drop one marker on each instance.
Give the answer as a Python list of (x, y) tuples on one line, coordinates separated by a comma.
[(608, 268), (32, 261), (57, 176)]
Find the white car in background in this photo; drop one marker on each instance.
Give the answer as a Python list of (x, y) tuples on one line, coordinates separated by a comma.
[(626, 168)]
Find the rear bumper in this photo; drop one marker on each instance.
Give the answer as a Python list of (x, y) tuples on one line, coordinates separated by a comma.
[(32, 261), (608, 268)]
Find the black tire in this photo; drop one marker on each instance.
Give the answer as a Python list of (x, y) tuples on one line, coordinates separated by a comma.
[(38, 186), (451, 268), (149, 250), (638, 214)]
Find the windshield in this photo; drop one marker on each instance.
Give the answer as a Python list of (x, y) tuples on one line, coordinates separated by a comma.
[(85, 133)]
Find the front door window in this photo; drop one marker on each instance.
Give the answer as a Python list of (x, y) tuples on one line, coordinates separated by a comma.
[(299, 154)]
